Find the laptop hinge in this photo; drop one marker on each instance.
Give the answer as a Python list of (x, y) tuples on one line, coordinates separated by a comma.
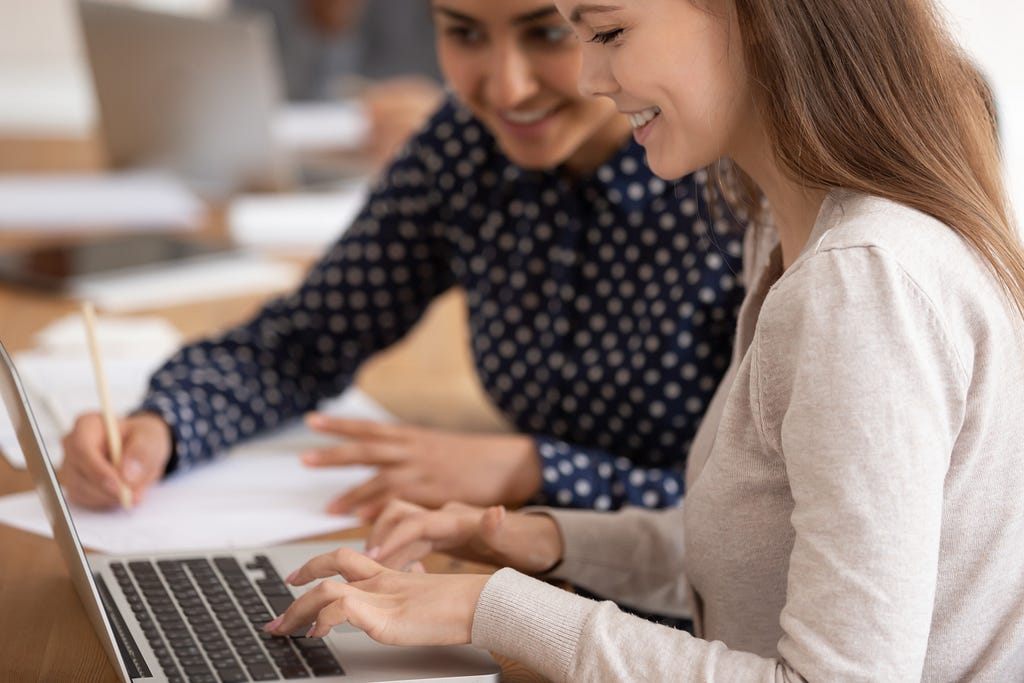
[(130, 653)]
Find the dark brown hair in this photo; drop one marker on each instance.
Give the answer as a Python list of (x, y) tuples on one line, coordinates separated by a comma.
[(876, 97)]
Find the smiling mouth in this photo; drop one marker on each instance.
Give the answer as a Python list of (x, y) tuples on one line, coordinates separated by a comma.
[(526, 117), (642, 118)]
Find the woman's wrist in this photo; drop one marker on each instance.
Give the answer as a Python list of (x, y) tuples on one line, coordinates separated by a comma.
[(547, 546), (529, 478)]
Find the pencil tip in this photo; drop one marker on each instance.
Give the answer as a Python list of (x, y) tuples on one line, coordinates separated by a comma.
[(126, 497)]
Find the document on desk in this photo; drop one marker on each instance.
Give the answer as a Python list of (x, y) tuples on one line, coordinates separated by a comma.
[(61, 387), (304, 222), (215, 277), (248, 498), (341, 125), (259, 493), (70, 202)]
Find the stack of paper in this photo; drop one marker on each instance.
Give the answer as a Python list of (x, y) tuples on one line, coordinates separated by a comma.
[(214, 277), (306, 222), (342, 125), (69, 202)]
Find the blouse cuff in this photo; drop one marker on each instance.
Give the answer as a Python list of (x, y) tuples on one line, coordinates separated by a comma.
[(164, 408), (531, 622)]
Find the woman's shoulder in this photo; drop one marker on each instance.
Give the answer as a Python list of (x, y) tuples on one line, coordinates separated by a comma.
[(871, 249), (871, 228)]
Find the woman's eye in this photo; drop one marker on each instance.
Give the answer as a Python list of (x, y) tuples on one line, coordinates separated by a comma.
[(553, 35), (604, 37), (464, 35)]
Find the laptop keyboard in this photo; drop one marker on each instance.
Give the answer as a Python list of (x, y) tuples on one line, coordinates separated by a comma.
[(204, 621)]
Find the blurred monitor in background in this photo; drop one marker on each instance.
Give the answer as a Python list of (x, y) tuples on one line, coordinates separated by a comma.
[(192, 95), (380, 52)]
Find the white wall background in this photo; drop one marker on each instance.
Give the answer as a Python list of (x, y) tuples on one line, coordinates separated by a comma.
[(45, 90), (991, 31)]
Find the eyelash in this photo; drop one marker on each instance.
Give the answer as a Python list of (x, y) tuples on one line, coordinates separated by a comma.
[(605, 37)]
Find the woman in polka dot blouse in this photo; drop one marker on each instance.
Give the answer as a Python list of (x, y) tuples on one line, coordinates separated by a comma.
[(602, 302)]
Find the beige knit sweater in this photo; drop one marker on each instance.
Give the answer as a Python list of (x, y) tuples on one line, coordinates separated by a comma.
[(859, 514)]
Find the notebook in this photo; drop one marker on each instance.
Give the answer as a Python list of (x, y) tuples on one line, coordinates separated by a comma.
[(198, 616)]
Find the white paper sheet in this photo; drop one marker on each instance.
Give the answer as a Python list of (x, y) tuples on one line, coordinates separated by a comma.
[(69, 202), (342, 125), (128, 336), (249, 498), (307, 222), (215, 277), (61, 387)]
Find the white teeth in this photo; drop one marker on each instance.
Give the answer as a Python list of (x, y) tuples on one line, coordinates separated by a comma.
[(642, 118), (525, 117)]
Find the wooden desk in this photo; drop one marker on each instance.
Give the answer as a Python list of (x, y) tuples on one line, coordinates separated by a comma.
[(44, 632)]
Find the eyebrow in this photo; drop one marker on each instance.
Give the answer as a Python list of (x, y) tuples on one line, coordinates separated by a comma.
[(580, 10), (527, 18)]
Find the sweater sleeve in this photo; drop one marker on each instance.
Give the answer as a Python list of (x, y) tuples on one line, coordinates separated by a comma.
[(365, 293), (631, 556), (565, 637), (859, 389)]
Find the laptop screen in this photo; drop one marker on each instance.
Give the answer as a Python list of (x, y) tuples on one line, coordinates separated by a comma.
[(49, 492)]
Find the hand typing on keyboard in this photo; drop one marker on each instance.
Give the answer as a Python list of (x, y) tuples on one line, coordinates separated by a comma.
[(392, 607)]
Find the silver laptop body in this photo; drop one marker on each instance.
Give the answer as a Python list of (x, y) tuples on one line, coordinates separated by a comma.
[(193, 95), (129, 601)]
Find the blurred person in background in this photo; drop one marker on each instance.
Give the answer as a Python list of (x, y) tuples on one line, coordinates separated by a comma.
[(380, 51)]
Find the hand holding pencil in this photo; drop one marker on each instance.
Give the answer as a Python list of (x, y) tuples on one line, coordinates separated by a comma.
[(110, 462)]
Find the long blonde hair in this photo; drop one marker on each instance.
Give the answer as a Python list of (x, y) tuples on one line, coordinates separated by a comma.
[(876, 97)]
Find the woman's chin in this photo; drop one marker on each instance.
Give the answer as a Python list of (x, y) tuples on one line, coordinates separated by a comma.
[(667, 169)]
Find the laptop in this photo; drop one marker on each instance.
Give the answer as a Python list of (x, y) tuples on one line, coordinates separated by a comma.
[(198, 616), (197, 96)]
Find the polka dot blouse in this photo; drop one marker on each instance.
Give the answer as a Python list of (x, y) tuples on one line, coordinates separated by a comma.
[(601, 313)]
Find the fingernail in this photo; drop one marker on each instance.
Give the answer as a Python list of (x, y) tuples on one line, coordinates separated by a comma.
[(291, 577), (309, 633), (133, 471), (308, 458), (273, 624), (374, 552)]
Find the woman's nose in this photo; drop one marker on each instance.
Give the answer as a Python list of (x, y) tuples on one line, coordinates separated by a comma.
[(510, 79)]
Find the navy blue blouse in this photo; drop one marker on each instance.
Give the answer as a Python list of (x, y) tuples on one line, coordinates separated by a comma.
[(601, 312)]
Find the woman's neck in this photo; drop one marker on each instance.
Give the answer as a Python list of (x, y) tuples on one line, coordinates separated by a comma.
[(794, 206), (795, 210)]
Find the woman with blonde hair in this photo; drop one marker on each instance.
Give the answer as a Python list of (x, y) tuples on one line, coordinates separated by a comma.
[(855, 511)]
